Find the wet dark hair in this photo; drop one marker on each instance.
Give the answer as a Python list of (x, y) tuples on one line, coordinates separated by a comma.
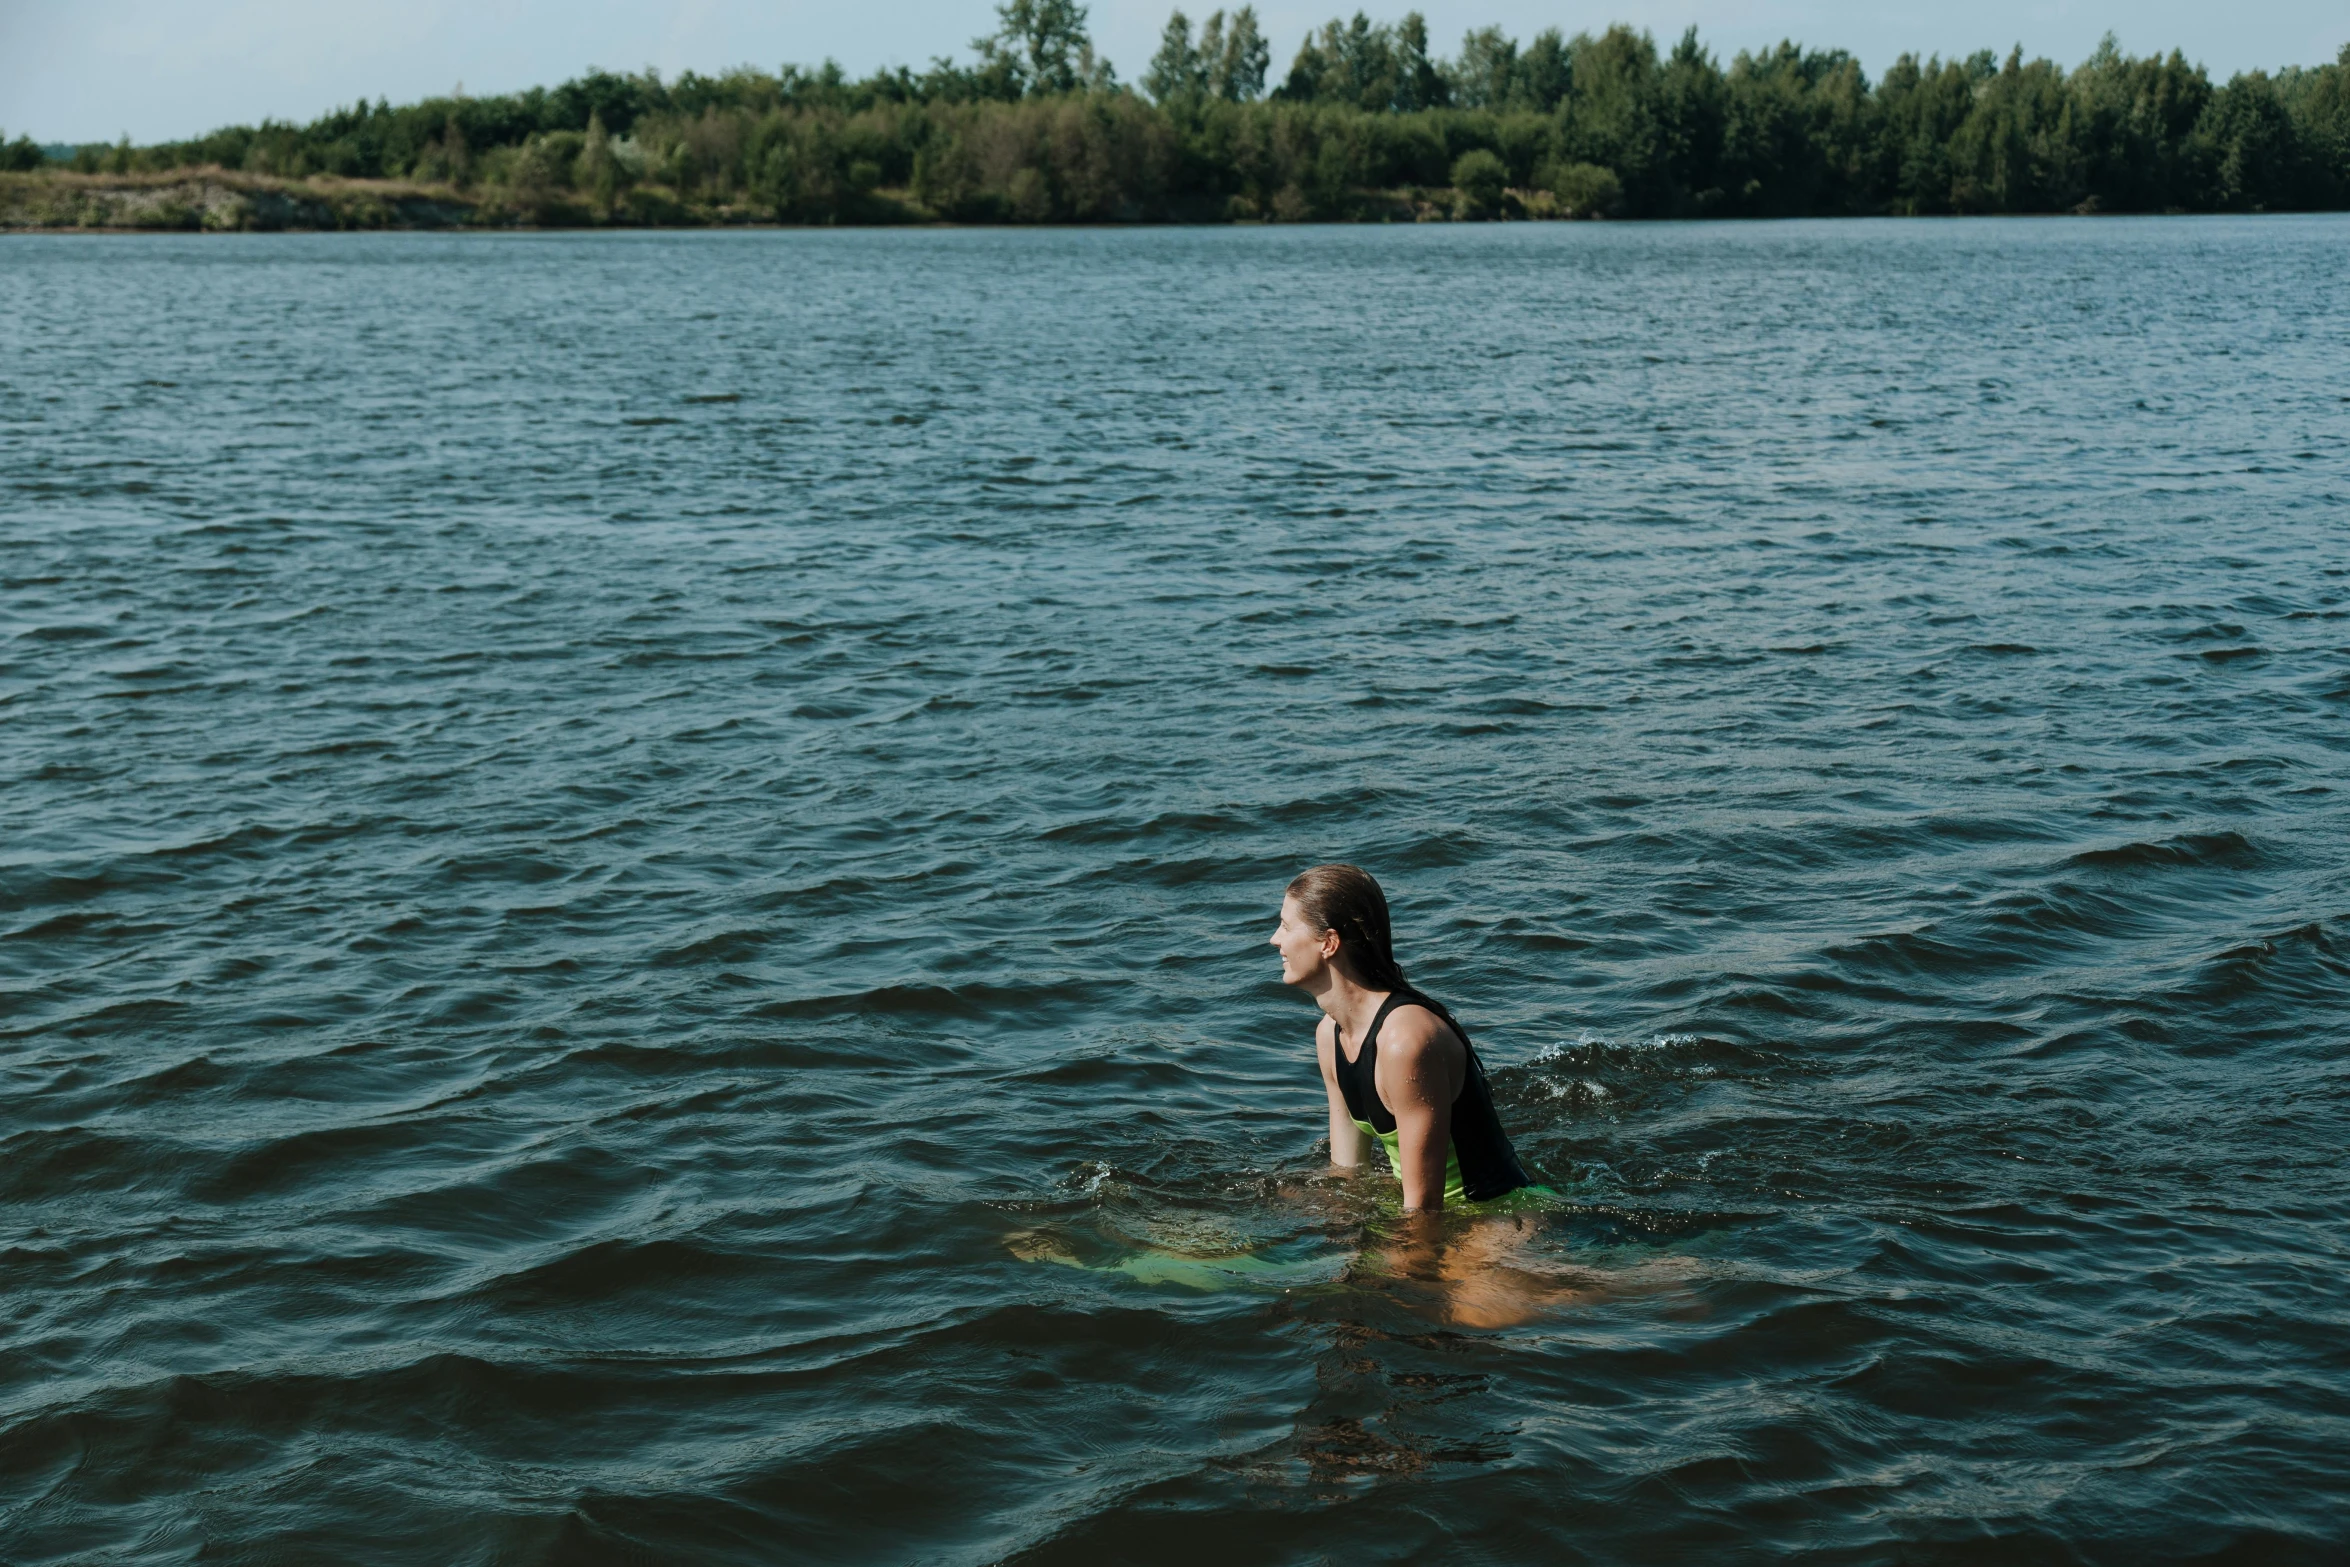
[(1345, 899)]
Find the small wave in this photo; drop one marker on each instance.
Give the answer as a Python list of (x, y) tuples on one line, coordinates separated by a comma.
[(1172, 824), (2232, 849), (720, 947), (1589, 1046), (309, 1159), (1923, 953), (762, 1054), (1138, 1073), (2306, 965), (151, 1015), (1030, 1003), (1592, 1076), (605, 1270), (49, 1163), (177, 1082), (512, 869), (2018, 924), (60, 926)]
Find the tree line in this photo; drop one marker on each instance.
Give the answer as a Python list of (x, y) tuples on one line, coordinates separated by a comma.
[(1366, 122)]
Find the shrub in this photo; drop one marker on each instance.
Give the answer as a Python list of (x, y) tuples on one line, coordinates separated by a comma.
[(1584, 190), (1478, 177)]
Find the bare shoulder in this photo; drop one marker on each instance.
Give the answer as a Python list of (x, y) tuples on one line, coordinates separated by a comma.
[(1420, 1059), (1326, 1044), (1412, 1030)]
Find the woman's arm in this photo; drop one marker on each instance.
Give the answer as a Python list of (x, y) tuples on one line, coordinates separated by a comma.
[(1348, 1146), (1417, 1079)]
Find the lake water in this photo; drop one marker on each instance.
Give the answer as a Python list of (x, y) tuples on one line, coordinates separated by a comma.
[(612, 845)]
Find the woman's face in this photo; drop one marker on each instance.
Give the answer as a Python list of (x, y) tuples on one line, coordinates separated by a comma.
[(1302, 948)]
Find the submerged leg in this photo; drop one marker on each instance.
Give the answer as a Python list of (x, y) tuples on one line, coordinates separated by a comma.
[(1476, 1274)]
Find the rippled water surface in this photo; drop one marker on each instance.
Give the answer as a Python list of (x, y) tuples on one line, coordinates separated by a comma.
[(615, 848)]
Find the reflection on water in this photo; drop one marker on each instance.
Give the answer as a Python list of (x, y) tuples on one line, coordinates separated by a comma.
[(621, 848)]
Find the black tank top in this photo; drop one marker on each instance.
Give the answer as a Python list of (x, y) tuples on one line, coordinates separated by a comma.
[(1489, 1165)]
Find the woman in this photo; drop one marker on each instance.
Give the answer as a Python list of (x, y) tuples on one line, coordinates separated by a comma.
[(1399, 1071)]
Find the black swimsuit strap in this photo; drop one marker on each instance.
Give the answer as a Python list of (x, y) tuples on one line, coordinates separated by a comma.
[(1394, 999)]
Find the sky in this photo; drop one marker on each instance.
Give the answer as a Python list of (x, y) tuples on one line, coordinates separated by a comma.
[(95, 70)]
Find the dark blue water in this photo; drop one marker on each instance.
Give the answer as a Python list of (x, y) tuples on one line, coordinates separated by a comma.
[(612, 844)]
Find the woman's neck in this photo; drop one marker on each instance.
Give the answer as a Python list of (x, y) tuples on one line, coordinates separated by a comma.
[(1350, 1005)]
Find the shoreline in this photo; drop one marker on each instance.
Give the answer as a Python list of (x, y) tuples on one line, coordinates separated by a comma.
[(221, 201)]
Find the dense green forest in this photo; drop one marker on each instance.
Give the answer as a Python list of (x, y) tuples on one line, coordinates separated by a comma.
[(1366, 122)]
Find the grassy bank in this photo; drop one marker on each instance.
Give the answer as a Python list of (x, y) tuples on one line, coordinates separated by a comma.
[(221, 201), (212, 200)]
